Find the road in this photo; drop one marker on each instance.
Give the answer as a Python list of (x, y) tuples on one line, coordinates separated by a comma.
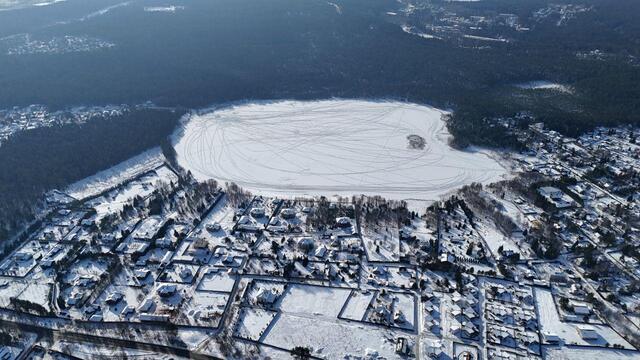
[(55, 334)]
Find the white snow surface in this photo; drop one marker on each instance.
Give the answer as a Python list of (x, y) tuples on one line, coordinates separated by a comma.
[(115, 175), (330, 147)]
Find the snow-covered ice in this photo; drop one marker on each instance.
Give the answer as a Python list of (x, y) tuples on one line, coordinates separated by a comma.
[(115, 175), (544, 85), (331, 147)]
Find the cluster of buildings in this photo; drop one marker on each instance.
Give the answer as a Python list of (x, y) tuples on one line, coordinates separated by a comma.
[(538, 265), (19, 119)]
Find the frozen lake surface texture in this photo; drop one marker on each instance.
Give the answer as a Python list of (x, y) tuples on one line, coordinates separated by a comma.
[(333, 147)]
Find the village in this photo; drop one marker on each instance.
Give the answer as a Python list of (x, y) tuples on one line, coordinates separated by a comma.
[(145, 261)]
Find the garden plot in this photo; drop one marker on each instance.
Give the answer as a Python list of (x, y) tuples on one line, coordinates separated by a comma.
[(391, 276), (119, 303), (495, 239), (290, 219), (330, 147), (262, 266), (163, 301), (393, 309), (227, 257), (205, 308), (264, 293), (147, 228), (544, 270), (419, 230), (54, 232), (38, 295), (253, 323), (404, 310), (155, 256), (8, 290), (257, 215), (20, 263), (331, 339), (550, 323), (292, 247), (314, 301), (179, 273), (136, 276), (357, 305), (193, 251), (86, 269), (215, 227), (216, 279), (382, 243)]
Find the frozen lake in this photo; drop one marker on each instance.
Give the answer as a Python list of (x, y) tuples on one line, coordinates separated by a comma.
[(333, 147)]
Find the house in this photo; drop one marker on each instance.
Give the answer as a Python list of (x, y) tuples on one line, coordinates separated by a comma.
[(288, 213), (127, 310), (320, 252), (114, 298), (559, 277), (402, 346), (186, 273), (166, 290), (343, 222), (581, 309), (146, 305), (266, 297), (213, 227), (550, 338), (74, 298), (587, 332), (257, 212)]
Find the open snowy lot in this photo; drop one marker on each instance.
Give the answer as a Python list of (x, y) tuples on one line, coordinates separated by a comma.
[(216, 279), (394, 149), (254, 323), (333, 339), (314, 300), (550, 322), (357, 305)]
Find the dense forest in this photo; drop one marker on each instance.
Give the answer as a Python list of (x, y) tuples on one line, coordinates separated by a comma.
[(39, 160)]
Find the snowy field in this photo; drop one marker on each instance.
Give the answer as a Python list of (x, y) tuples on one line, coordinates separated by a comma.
[(394, 149), (574, 353)]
